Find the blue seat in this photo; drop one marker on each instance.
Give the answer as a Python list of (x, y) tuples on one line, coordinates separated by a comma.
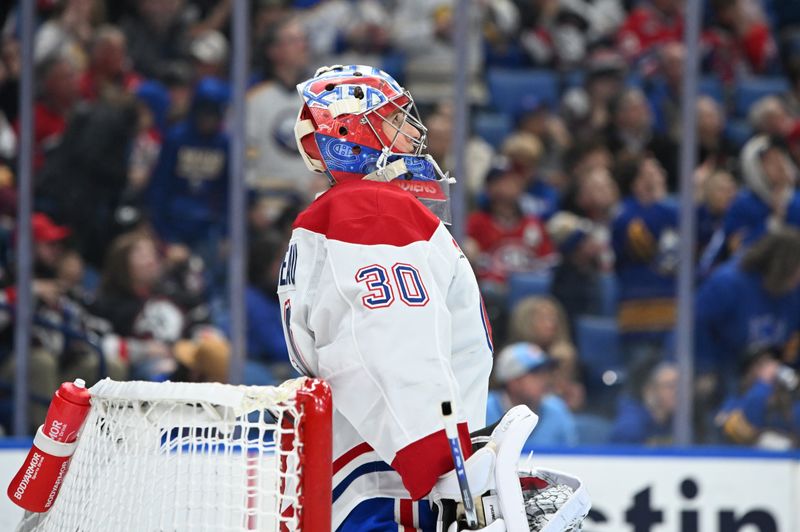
[(492, 127), (514, 90), (738, 132), (750, 90), (609, 295), (592, 429), (711, 86), (597, 339), (522, 285)]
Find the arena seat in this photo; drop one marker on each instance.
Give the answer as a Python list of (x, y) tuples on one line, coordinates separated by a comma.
[(509, 89), (492, 127), (524, 284), (749, 90)]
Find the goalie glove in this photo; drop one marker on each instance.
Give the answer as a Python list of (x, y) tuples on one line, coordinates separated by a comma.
[(511, 499)]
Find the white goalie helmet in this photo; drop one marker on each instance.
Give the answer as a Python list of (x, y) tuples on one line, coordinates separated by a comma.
[(511, 497)]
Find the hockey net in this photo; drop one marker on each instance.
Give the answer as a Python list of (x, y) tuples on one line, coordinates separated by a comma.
[(198, 457)]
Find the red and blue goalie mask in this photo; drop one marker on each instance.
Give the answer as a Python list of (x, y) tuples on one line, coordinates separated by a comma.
[(358, 123)]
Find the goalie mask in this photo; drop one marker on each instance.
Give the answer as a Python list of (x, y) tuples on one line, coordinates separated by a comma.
[(358, 123)]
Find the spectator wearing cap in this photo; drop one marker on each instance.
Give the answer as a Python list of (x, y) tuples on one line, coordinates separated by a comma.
[(769, 200), (645, 243), (525, 374), (584, 257), (645, 416), (152, 106), (209, 53), (55, 356), (187, 195)]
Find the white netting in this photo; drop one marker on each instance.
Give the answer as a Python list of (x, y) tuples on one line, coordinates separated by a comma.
[(182, 457)]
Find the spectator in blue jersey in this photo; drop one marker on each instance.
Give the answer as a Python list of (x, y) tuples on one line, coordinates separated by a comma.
[(765, 410), (525, 373), (770, 199), (188, 192), (645, 416), (267, 356), (748, 303), (644, 237), (664, 90), (717, 190)]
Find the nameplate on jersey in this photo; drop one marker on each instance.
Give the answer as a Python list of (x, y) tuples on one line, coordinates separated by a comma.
[(288, 267)]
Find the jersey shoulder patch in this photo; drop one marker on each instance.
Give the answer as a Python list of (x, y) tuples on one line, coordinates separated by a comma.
[(369, 213)]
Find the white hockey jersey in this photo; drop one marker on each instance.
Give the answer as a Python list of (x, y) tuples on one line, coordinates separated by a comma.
[(379, 301)]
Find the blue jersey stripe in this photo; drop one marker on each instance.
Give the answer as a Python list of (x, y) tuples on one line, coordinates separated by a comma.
[(370, 467)]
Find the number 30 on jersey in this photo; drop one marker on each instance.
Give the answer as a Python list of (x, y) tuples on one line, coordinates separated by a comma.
[(404, 280)]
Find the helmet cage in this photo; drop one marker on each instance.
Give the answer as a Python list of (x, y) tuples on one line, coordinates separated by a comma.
[(410, 115)]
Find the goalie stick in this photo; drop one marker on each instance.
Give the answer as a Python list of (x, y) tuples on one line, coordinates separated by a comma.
[(458, 460)]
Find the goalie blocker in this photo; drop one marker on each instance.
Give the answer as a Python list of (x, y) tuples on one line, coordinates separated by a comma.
[(512, 498)]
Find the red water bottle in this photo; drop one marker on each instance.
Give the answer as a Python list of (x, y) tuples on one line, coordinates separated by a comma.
[(36, 485)]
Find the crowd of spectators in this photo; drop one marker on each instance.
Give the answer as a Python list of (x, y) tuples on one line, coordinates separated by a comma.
[(571, 188)]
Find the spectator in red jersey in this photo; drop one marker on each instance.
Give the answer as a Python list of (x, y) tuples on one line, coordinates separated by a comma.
[(742, 39), (502, 239), (109, 70), (58, 93), (652, 23)]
